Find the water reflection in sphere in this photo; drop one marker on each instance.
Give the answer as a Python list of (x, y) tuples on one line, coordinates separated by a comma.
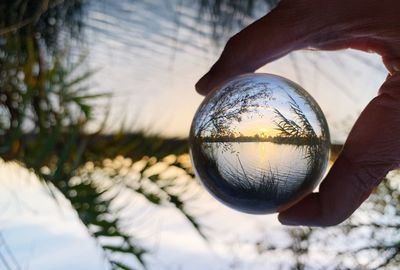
[(259, 143)]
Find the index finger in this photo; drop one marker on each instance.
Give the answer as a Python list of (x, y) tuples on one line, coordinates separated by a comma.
[(298, 24), (273, 36)]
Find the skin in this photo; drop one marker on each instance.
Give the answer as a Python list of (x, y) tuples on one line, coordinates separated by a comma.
[(372, 148)]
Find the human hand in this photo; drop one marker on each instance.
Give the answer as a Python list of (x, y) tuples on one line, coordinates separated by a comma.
[(373, 146)]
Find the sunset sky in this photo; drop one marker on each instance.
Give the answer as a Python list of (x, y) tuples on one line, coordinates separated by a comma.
[(153, 86), (258, 127)]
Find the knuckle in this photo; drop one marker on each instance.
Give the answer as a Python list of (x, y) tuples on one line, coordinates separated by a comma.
[(392, 85), (368, 176), (232, 40), (367, 169), (232, 43), (366, 180)]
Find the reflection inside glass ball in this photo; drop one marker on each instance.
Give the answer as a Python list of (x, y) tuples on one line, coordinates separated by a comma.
[(259, 143)]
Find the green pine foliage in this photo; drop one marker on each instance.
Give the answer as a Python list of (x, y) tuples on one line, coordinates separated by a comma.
[(46, 104)]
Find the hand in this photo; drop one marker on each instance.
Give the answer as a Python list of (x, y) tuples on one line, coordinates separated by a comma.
[(373, 146)]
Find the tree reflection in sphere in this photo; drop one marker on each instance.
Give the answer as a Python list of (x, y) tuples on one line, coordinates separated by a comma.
[(259, 143)]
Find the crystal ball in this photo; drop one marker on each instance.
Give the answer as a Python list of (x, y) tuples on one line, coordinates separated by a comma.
[(259, 143)]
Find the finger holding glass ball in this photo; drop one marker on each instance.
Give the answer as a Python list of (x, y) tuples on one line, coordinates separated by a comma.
[(259, 143)]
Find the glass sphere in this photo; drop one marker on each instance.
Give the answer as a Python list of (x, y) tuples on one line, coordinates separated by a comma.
[(259, 143)]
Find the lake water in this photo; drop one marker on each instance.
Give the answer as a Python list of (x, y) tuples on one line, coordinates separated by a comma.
[(258, 177), (287, 162)]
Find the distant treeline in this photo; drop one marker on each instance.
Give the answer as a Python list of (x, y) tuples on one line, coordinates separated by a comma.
[(277, 139)]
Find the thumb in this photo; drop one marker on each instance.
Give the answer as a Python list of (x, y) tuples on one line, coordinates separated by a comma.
[(370, 152)]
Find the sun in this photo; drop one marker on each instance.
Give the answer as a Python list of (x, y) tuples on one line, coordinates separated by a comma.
[(263, 132)]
